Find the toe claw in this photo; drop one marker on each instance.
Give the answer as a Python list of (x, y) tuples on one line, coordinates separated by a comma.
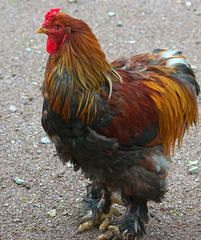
[(114, 229), (136, 227), (112, 233), (125, 232), (104, 224), (85, 226)]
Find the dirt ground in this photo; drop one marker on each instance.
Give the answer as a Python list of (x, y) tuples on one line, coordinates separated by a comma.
[(144, 26)]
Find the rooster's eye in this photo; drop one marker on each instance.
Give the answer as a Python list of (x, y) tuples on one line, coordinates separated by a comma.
[(57, 26)]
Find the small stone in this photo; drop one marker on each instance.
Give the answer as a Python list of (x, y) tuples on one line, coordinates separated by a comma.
[(31, 228), (188, 4), (111, 14), (28, 49), (194, 170), (192, 162), (17, 220), (131, 42), (19, 181), (65, 213), (152, 215), (38, 151), (30, 98), (45, 140), (12, 108), (52, 213), (120, 24), (35, 47), (34, 83)]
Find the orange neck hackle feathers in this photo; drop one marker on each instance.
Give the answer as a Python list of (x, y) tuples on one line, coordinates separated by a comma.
[(83, 58)]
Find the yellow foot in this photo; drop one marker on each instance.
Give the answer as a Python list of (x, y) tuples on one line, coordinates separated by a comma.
[(103, 220), (111, 233)]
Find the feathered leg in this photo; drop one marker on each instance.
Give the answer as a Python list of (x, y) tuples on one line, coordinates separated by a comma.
[(97, 208), (132, 226)]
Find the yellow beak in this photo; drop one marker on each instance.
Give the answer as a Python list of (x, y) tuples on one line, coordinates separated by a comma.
[(42, 30)]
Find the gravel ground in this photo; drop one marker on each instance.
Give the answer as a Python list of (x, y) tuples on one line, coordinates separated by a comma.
[(50, 185)]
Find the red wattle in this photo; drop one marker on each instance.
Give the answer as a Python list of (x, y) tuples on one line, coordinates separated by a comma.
[(52, 47)]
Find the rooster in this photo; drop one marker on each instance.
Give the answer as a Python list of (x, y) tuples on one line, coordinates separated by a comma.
[(116, 122)]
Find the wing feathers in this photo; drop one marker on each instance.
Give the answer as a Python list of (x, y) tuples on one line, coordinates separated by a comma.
[(176, 108)]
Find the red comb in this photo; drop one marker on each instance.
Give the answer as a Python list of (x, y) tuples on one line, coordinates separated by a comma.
[(50, 15)]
